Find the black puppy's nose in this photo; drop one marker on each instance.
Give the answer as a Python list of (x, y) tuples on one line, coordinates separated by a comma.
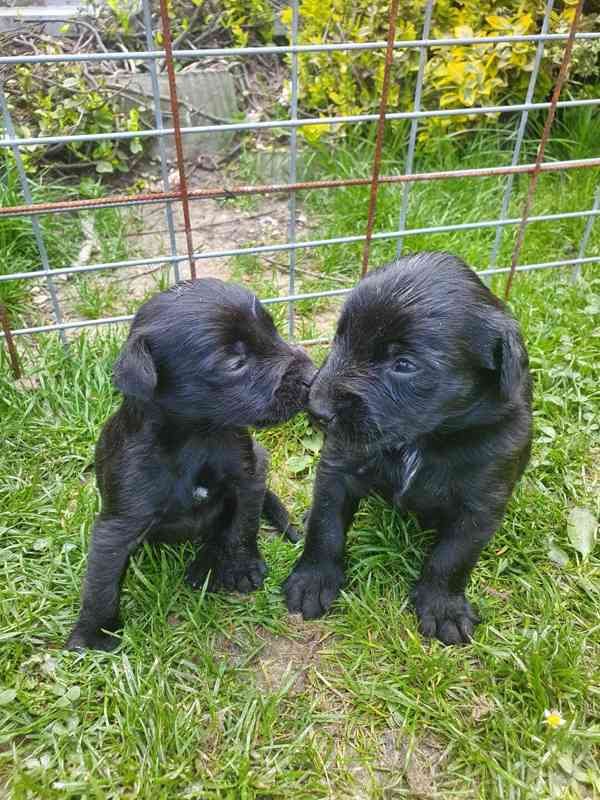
[(320, 411)]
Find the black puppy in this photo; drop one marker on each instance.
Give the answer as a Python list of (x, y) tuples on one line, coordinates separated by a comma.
[(425, 399), (203, 361)]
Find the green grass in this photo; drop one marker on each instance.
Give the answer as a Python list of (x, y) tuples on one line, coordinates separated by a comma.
[(63, 236), (18, 250), (96, 298), (227, 697), (183, 704), (446, 202), (334, 213)]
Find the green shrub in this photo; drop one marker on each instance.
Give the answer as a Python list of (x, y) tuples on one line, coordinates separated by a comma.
[(249, 20), (57, 99), (342, 83)]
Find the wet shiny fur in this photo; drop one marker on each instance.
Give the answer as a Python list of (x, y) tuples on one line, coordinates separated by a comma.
[(203, 362), (425, 399)]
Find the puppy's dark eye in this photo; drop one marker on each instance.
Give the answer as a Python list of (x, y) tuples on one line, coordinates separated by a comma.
[(237, 364), (238, 358), (404, 365), (394, 355)]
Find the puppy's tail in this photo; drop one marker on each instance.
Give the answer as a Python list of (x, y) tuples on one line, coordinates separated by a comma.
[(276, 515)]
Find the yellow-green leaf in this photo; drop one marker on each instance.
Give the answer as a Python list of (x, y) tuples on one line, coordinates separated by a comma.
[(498, 23), (463, 32), (312, 133), (286, 17), (456, 71)]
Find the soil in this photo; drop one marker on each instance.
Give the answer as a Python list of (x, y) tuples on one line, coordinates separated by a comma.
[(398, 765), (216, 225), (395, 764), (287, 662)]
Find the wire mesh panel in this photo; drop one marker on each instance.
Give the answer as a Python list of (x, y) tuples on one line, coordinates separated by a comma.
[(174, 193)]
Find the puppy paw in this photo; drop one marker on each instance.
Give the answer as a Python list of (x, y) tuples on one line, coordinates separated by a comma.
[(241, 576), (310, 590), (447, 617), (85, 639)]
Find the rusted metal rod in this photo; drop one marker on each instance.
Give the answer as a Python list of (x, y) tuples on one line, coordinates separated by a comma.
[(562, 76), (389, 56), (183, 187), (280, 188), (10, 342)]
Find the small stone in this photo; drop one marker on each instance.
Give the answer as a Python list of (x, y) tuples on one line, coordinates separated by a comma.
[(27, 384)]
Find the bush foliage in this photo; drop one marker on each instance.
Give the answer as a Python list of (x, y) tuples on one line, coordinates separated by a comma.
[(341, 83), (62, 99), (58, 99)]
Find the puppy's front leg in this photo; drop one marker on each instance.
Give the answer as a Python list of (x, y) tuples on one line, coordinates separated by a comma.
[(232, 556), (439, 595), (318, 576), (113, 541)]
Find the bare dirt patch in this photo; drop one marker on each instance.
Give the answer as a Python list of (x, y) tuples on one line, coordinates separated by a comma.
[(387, 763), (482, 706), (287, 662), (399, 765), (279, 661), (217, 226), (362, 761), (592, 470), (424, 766)]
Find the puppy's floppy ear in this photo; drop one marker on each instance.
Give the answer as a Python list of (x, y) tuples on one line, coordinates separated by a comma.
[(503, 352), (514, 362), (134, 372)]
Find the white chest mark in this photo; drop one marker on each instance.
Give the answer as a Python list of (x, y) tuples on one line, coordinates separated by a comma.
[(200, 493)]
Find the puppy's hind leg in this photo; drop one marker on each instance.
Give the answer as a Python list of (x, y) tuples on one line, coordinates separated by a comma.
[(231, 556), (276, 515), (113, 542)]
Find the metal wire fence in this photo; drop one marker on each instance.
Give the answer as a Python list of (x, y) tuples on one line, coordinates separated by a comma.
[(184, 264)]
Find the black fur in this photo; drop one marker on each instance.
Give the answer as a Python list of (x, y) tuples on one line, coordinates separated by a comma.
[(425, 399), (203, 362)]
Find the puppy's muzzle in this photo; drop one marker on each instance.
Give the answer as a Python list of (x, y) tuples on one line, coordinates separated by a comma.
[(320, 412)]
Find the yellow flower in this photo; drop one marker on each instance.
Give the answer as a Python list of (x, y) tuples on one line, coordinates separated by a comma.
[(553, 718)]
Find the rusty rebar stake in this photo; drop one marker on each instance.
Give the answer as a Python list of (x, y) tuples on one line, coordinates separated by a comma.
[(389, 57), (183, 189), (562, 76), (213, 193), (10, 342)]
